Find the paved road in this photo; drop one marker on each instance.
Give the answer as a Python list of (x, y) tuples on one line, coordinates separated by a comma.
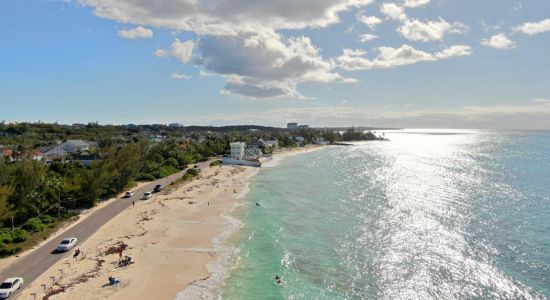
[(41, 259)]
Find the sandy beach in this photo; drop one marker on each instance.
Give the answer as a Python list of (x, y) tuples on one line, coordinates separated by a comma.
[(176, 241)]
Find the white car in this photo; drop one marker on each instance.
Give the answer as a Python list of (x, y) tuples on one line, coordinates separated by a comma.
[(9, 286), (66, 244), (128, 194), (147, 195)]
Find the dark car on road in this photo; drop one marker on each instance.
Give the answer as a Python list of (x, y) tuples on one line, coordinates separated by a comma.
[(158, 188)]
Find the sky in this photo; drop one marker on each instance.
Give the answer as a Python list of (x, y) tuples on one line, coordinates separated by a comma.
[(393, 63)]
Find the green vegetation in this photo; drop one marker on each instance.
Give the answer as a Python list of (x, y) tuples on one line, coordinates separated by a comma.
[(216, 163), (354, 134), (193, 172), (188, 176)]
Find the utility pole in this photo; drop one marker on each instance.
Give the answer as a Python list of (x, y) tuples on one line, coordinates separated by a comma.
[(58, 206)]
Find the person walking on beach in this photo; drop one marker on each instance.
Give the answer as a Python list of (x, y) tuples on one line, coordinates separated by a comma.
[(133, 203)]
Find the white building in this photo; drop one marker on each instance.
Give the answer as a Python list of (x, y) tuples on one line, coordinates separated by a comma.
[(63, 150), (253, 154), (237, 150), (75, 146)]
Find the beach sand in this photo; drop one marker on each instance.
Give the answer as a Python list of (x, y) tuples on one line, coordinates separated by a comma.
[(176, 241)]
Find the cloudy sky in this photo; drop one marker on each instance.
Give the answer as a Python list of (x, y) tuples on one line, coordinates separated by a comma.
[(402, 63)]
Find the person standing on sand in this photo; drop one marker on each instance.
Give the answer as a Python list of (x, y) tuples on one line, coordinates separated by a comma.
[(133, 203)]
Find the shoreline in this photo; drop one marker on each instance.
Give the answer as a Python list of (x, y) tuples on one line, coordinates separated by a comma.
[(220, 268), (178, 241)]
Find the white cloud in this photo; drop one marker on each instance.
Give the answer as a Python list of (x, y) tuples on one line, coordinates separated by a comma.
[(225, 17), (183, 51), (139, 32), (370, 21), (542, 100), (390, 57), (354, 60), (367, 37), (265, 64), (393, 11), (454, 51), (204, 74), (415, 3), (239, 39), (416, 30), (179, 76), (349, 80), (500, 41), (356, 52), (534, 28)]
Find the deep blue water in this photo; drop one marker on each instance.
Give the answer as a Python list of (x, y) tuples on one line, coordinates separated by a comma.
[(427, 215)]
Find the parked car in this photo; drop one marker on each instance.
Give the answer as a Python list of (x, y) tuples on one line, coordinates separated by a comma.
[(66, 244), (147, 195), (9, 286), (128, 194), (158, 188)]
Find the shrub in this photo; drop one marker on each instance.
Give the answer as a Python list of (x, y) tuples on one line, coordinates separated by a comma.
[(188, 176), (172, 162), (145, 177), (20, 235), (193, 172), (6, 250), (216, 163), (34, 225), (47, 219), (5, 236), (166, 170)]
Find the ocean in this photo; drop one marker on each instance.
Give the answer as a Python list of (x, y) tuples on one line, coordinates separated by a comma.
[(430, 214)]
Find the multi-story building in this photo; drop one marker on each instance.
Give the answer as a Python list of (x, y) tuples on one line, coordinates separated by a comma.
[(237, 150)]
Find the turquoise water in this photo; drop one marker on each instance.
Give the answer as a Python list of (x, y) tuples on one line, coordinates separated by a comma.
[(428, 215)]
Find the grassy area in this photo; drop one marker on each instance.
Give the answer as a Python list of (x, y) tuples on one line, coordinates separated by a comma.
[(189, 175)]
